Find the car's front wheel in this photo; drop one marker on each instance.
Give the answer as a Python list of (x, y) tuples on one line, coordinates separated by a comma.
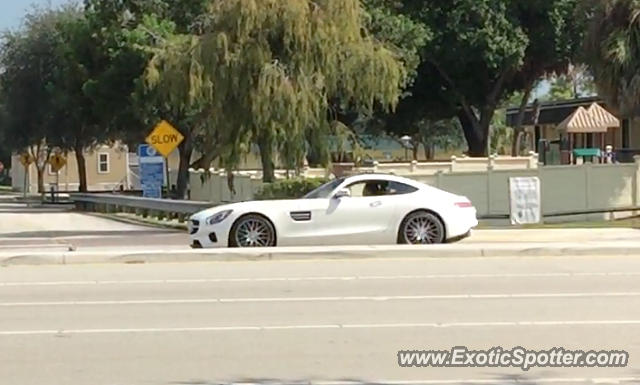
[(421, 228), (252, 231)]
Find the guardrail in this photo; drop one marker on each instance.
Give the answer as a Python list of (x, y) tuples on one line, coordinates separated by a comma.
[(160, 208)]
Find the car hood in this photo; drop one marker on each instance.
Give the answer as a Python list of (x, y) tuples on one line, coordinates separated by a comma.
[(259, 206)]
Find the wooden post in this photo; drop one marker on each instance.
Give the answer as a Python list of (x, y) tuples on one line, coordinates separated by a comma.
[(570, 147)]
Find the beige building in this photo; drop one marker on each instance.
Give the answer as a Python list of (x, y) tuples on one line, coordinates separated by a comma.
[(107, 170)]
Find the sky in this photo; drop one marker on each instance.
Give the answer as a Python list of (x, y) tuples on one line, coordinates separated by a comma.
[(12, 11)]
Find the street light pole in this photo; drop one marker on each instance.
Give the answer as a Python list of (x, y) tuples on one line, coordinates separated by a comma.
[(489, 141), (406, 141)]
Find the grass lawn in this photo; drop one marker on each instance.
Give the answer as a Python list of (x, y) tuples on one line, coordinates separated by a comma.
[(139, 220)]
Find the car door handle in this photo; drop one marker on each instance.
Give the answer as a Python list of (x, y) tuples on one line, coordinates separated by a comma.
[(375, 204)]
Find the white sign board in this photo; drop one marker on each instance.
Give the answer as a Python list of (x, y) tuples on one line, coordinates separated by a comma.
[(524, 195)]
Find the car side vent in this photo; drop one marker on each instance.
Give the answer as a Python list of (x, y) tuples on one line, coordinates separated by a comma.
[(301, 216), (194, 227)]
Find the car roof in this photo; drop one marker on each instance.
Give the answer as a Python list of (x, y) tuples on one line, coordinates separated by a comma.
[(386, 177)]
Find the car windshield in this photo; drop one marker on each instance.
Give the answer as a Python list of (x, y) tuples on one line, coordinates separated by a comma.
[(324, 190)]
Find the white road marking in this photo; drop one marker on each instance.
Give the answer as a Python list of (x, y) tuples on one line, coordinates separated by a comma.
[(319, 326), (515, 381), (187, 301), (35, 246), (327, 278)]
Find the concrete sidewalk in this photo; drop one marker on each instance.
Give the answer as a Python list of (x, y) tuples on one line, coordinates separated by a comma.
[(527, 249), (516, 235)]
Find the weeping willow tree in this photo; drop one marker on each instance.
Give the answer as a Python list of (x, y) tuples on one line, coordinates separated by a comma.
[(276, 73), (613, 53)]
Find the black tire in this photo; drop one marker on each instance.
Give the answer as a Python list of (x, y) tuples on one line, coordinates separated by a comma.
[(252, 230), (421, 228)]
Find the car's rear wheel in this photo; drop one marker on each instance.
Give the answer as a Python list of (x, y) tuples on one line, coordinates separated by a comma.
[(421, 228), (252, 231)]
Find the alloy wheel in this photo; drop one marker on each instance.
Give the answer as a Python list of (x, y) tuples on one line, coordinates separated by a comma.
[(254, 231), (422, 228)]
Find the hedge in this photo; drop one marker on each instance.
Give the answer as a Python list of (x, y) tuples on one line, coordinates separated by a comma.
[(289, 188)]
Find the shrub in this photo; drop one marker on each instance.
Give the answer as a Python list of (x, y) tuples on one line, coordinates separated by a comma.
[(289, 188)]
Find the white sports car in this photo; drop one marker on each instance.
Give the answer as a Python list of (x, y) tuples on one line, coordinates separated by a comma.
[(358, 210)]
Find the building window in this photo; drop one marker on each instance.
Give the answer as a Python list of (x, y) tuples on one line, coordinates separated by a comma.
[(103, 163)]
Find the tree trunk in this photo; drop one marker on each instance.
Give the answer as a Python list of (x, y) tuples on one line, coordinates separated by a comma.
[(40, 172), (265, 143), (39, 163), (429, 151), (518, 129), (475, 134), (82, 167), (186, 150)]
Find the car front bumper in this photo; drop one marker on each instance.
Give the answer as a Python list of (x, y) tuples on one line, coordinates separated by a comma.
[(205, 236)]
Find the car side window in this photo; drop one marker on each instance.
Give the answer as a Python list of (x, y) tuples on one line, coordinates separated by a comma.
[(397, 188), (369, 188), (357, 189)]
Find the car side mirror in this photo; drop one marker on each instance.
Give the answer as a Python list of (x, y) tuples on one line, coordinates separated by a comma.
[(342, 193)]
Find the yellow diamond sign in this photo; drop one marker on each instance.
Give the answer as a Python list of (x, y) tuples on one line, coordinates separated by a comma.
[(57, 162), (165, 138), (26, 159)]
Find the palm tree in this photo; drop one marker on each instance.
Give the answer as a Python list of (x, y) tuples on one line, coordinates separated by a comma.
[(612, 50)]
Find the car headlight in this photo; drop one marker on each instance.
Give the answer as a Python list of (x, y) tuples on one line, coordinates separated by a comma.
[(218, 217)]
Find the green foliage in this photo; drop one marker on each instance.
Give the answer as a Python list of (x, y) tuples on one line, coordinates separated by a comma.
[(444, 134), (292, 76), (127, 29), (28, 68), (501, 137), (264, 72), (79, 111), (576, 83), (387, 24), (480, 52), (613, 53), (561, 89), (27, 81), (289, 188)]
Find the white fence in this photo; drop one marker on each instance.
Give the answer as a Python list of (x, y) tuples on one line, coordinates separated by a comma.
[(564, 188)]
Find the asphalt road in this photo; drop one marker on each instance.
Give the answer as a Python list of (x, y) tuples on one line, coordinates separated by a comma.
[(322, 321)]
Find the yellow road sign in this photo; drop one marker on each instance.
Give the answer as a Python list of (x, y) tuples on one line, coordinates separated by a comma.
[(57, 162), (165, 138), (26, 159)]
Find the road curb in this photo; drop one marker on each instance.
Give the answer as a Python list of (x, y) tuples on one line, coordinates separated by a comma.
[(310, 253)]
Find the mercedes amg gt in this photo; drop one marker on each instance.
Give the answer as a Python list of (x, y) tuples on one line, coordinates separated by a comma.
[(366, 209)]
